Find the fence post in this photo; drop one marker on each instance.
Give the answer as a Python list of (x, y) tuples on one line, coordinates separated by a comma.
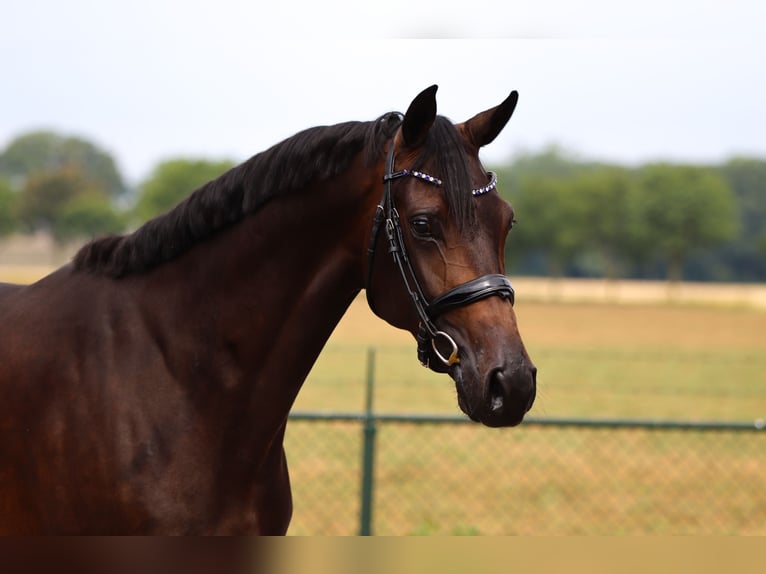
[(368, 451)]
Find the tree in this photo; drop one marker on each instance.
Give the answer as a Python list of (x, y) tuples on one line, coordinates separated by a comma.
[(551, 222), (743, 257), (46, 194), (687, 208), (747, 179), (87, 216), (8, 208), (610, 226), (551, 162), (570, 213), (172, 181), (39, 152), (67, 206)]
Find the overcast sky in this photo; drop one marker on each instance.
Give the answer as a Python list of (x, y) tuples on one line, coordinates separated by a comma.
[(151, 79)]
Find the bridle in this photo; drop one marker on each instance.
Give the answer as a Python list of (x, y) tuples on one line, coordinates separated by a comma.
[(429, 335)]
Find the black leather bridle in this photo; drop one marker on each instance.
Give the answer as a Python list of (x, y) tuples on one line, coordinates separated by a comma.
[(430, 337)]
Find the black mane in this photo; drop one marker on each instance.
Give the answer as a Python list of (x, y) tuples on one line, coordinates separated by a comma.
[(314, 154)]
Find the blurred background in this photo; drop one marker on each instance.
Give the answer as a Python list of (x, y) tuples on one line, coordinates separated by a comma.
[(636, 162)]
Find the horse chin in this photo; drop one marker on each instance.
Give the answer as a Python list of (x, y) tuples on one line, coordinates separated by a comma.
[(466, 405)]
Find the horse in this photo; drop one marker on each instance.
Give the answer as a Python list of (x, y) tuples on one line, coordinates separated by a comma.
[(146, 384)]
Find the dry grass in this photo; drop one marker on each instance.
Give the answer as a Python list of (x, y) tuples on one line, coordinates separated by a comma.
[(660, 327), (664, 360), (532, 480), (598, 322), (625, 292), (652, 361)]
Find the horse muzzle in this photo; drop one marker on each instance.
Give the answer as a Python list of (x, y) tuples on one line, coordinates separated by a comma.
[(502, 397)]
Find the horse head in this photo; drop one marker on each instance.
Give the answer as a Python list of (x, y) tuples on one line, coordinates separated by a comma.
[(445, 225)]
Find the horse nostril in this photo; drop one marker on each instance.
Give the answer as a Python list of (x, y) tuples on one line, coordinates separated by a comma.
[(497, 390), (512, 388)]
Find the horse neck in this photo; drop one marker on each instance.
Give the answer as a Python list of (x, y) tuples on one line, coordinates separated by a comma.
[(258, 301)]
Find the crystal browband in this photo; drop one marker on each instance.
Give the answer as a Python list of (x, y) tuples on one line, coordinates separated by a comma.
[(436, 181)]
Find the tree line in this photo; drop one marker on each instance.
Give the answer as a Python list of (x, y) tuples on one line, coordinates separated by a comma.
[(575, 217), (72, 189), (579, 218)]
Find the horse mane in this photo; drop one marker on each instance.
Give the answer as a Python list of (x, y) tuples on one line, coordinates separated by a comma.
[(317, 153)]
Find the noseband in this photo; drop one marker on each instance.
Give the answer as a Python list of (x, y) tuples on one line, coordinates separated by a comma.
[(429, 336)]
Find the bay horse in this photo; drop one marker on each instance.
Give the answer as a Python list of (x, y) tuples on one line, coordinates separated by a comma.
[(146, 385)]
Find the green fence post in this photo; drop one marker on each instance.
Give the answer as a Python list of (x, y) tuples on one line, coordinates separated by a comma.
[(368, 451)]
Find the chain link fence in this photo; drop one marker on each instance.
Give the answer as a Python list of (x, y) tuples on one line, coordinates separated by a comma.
[(450, 477), (442, 475)]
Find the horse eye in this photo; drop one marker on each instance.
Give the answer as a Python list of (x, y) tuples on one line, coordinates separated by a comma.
[(421, 226)]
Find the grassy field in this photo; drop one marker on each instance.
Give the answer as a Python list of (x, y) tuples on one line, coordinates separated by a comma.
[(666, 360), (595, 360), (468, 479)]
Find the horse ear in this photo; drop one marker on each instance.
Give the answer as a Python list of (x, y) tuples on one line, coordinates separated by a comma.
[(420, 117), (483, 128)]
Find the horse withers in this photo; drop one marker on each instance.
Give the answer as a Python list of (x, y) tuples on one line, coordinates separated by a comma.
[(146, 385)]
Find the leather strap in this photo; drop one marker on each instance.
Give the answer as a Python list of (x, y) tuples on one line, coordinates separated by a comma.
[(470, 292), (432, 343)]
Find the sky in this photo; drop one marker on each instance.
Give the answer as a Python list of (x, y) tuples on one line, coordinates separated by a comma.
[(147, 80)]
